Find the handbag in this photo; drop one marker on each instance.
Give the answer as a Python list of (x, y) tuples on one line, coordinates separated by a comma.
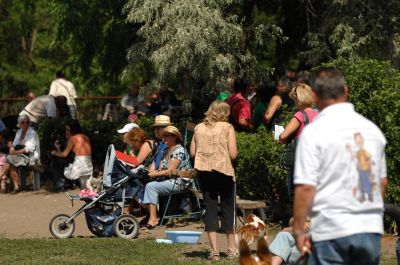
[(289, 153)]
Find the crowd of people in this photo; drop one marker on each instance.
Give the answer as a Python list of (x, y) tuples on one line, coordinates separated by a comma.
[(338, 174)]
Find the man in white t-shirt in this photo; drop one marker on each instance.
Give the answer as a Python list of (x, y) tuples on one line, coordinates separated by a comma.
[(46, 106), (340, 178), (62, 87)]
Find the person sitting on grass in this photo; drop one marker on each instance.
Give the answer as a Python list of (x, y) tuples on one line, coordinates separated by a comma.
[(176, 158), (283, 247)]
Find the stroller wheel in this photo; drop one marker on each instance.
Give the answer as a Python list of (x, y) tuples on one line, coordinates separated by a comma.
[(126, 226), (59, 228)]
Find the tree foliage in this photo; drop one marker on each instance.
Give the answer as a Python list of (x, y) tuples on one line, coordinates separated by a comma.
[(29, 58), (98, 35), (368, 29), (201, 40)]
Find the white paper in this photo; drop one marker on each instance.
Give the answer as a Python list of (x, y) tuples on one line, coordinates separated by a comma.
[(277, 131)]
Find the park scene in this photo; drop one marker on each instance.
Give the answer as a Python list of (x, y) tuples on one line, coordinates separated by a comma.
[(199, 132)]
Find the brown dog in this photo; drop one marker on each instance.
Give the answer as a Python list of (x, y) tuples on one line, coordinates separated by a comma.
[(262, 257), (253, 229)]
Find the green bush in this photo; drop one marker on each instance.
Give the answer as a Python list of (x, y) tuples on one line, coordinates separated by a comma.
[(375, 92), (259, 175)]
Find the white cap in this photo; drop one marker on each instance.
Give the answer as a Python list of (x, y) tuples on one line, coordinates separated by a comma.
[(128, 127)]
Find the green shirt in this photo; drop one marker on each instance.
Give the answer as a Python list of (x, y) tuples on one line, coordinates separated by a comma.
[(258, 114), (223, 95)]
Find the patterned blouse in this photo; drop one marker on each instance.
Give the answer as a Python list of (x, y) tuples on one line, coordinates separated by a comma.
[(178, 153)]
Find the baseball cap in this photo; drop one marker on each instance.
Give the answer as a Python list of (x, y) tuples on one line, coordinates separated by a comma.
[(128, 127)]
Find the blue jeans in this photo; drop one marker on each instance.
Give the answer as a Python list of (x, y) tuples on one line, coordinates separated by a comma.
[(155, 188), (284, 246), (355, 249)]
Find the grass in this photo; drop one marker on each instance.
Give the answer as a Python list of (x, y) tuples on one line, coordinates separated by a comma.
[(99, 251), (108, 251)]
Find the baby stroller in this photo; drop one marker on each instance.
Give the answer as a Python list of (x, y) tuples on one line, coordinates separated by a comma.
[(104, 212)]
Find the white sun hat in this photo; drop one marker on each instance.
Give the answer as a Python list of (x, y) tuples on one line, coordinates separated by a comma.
[(128, 127)]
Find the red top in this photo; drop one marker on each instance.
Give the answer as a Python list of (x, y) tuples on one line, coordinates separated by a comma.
[(241, 110)]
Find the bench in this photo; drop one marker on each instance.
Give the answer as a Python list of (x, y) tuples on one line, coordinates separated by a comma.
[(243, 207), (247, 207)]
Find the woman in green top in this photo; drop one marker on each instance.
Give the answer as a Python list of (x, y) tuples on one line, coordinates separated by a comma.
[(141, 145), (264, 95)]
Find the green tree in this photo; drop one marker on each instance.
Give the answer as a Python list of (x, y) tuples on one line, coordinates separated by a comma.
[(197, 41), (368, 29), (29, 58), (99, 37)]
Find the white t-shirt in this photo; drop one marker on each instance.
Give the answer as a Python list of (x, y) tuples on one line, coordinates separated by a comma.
[(40, 107), (342, 154), (63, 87)]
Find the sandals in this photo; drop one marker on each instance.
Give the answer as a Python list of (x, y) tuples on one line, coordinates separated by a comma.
[(232, 254), (214, 256), (148, 227)]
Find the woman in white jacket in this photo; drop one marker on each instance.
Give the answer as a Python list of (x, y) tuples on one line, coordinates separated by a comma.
[(24, 150)]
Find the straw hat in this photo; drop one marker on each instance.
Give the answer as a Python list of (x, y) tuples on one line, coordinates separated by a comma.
[(162, 120), (172, 130)]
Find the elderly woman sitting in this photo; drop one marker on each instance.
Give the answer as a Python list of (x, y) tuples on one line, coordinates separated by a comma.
[(176, 158), (24, 150)]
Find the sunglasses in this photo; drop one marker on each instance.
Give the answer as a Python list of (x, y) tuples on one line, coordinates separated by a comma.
[(24, 122)]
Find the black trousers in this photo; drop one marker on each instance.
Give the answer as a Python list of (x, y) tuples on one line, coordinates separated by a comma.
[(212, 185)]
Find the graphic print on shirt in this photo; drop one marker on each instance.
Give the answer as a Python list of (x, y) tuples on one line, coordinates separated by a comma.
[(364, 163)]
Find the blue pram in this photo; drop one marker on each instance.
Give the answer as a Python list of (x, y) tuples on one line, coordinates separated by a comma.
[(104, 212)]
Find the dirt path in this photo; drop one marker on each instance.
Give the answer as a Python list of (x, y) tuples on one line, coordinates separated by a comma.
[(27, 215)]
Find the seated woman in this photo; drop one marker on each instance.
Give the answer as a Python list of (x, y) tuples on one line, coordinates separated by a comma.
[(79, 144), (283, 247), (24, 150), (142, 146), (176, 158)]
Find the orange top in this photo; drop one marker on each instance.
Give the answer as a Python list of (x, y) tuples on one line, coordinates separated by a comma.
[(81, 145), (212, 148)]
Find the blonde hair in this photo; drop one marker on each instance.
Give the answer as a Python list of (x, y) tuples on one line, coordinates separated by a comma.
[(302, 96), (218, 111)]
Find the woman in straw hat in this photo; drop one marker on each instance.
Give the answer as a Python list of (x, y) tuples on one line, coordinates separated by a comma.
[(175, 158), (214, 146)]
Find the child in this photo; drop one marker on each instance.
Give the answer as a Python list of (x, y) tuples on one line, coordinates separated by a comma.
[(3, 161)]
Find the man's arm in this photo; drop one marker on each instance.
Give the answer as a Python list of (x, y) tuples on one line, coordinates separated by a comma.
[(384, 183), (303, 200)]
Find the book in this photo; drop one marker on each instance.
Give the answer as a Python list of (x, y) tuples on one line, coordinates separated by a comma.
[(277, 131), (127, 159)]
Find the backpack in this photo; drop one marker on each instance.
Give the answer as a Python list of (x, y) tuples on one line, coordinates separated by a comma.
[(232, 119), (289, 153)]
